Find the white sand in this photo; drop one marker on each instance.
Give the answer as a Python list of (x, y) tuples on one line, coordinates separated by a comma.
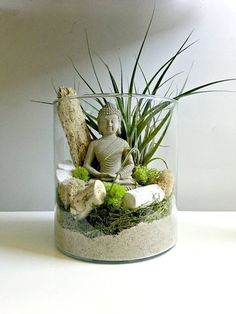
[(143, 240)]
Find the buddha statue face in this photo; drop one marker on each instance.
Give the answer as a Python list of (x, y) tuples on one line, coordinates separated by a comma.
[(109, 124), (109, 120)]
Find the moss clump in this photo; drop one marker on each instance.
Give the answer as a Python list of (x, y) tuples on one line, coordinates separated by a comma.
[(140, 175), (153, 174), (115, 194), (81, 173), (145, 176)]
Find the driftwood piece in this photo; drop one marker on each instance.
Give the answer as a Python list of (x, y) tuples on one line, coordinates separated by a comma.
[(73, 123), (68, 189), (86, 200), (166, 181)]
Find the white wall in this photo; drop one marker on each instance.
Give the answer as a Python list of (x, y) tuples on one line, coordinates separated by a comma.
[(36, 38)]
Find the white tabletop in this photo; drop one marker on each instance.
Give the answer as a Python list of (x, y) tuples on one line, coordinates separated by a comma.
[(197, 276)]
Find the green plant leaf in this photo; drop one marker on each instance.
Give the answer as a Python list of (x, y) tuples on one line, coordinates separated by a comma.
[(90, 122), (145, 79), (92, 106), (43, 102), (119, 100), (147, 117), (92, 63), (80, 75), (170, 78), (148, 156), (139, 54), (169, 61), (152, 135), (192, 91), (84, 80), (121, 77), (157, 158), (186, 80)]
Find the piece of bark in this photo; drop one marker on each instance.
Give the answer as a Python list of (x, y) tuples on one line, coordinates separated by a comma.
[(73, 123)]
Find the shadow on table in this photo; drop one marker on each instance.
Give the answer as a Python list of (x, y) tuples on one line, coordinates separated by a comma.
[(30, 235)]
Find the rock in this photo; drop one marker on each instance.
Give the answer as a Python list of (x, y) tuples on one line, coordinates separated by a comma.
[(166, 181), (66, 165), (62, 175), (85, 201), (144, 195), (68, 189), (64, 170)]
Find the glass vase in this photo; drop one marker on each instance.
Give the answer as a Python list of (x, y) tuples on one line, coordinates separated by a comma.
[(132, 218)]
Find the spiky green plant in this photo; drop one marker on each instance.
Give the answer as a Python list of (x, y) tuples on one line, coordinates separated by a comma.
[(141, 125)]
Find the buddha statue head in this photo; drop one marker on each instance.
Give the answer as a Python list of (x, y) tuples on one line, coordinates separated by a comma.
[(109, 120)]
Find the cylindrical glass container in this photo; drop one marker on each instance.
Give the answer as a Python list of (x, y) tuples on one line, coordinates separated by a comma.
[(115, 199)]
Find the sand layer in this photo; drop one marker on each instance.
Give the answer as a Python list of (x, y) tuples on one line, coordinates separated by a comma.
[(141, 241)]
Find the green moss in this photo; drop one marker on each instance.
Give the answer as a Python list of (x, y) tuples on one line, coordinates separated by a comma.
[(153, 174), (81, 173), (145, 176), (115, 194), (140, 175)]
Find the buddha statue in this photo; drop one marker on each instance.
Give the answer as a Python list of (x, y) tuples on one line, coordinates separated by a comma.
[(111, 152)]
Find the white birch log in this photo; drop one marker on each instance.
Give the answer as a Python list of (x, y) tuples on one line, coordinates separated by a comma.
[(143, 196), (73, 123)]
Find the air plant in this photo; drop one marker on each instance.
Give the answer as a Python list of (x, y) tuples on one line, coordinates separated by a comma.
[(141, 125), (144, 123)]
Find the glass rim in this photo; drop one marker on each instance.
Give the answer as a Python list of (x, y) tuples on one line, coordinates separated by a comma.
[(116, 95)]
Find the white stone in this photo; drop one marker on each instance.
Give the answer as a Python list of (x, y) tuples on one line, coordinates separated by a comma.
[(64, 170), (66, 165), (85, 201), (144, 195), (62, 175)]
